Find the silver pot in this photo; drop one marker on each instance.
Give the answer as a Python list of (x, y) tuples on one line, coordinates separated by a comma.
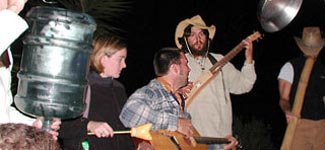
[(52, 76), (274, 15)]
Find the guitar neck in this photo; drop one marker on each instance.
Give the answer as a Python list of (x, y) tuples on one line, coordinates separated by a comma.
[(206, 77), (211, 140), (226, 58), (234, 52)]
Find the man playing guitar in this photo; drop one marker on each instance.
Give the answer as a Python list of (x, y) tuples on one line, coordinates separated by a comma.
[(160, 103)]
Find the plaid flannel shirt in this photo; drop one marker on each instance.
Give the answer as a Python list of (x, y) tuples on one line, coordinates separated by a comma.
[(152, 104)]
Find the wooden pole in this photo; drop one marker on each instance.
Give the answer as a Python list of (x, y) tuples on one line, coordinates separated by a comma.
[(115, 132), (297, 106), (142, 132)]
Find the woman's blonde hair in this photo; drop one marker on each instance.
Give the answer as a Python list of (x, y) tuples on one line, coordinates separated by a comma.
[(104, 45)]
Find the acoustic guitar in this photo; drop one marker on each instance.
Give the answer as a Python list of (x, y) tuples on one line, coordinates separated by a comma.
[(206, 77), (169, 140)]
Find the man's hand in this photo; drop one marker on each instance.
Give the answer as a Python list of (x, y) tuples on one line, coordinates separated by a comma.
[(185, 127), (290, 116), (55, 126), (13, 5), (233, 143), (3, 4), (248, 45), (185, 90), (100, 129)]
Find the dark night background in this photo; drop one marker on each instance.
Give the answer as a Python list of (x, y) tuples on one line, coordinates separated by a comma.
[(150, 25)]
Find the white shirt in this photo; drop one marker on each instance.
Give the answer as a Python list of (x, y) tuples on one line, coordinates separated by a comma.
[(286, 72), (11, 27)]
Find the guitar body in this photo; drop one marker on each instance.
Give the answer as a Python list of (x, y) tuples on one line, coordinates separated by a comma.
[(168, 140), (199, 84), (163, 141)]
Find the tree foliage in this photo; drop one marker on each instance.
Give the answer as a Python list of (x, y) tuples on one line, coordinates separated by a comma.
[(110, 15), (253, 134)]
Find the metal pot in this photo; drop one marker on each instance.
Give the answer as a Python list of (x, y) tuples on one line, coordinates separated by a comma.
[(274, 15)]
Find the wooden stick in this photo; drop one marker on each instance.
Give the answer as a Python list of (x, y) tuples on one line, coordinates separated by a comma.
[(141, 132), (115, 132), (297, 106)]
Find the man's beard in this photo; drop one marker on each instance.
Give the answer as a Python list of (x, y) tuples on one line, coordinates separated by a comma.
[(199, 52)]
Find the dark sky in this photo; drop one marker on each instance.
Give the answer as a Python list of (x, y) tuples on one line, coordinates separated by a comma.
[(153, 24)]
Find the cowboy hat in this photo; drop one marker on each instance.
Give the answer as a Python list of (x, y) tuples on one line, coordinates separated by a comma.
[(195, 21), (311, 42)]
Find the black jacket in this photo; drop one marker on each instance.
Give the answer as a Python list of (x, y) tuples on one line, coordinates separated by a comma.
[(106, 101)]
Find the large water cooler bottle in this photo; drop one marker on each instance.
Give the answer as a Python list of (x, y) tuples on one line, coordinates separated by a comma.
[(52, 75)]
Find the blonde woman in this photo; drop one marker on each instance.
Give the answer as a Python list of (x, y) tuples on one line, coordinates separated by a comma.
[(105, 101)]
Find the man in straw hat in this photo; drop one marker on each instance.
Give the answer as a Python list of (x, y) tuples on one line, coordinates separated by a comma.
[(310, 130), (211, 108)]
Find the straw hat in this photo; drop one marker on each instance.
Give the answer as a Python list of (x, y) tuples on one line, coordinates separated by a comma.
[(311, 42), (195, 21)]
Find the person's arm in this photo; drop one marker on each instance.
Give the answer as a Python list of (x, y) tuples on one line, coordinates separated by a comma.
[(16, 5), (11, 28), (185, 127), (285, 79), (140, 110), (100, 129), (12, 25), (81, 127), (284, 90), (247, 75), (242, 81), (239, 81), (55, 126), (248, 45)]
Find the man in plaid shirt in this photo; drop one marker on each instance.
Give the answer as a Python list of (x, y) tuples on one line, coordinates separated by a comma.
[(159, 102)]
